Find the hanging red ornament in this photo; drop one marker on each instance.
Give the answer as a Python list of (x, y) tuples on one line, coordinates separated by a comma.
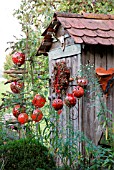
[(16, 86), (70, 100), (23, 118), (82, 81), (18, 109), (18, 58), (37, 115), (38, 100), (78, 91), (57, 104)]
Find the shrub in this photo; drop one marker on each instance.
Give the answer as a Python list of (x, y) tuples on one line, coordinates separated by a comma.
[(25, 154)]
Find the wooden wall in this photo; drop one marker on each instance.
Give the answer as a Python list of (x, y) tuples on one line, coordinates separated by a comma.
[(99, 56), (82, 116)]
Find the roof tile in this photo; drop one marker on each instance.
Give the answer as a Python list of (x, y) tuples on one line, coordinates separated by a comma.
[(89, 24), (90, 33), (75, 22), (77, 39), (110, 24), (76, 32), (101, 33), (111, 33), (89, 40), (64, 22), (103, 41)]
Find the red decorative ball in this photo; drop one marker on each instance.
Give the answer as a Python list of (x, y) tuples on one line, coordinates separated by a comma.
[(78, 91), (57, 104), (37, 115), (18, 109), (82, 81), (70, 100), (16, 86), (38, 100), (18, 58), (23, 118)]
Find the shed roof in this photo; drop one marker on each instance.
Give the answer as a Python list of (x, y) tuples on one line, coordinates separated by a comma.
[(86, 28)]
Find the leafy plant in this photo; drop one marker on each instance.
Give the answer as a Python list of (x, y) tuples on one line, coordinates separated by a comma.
[(26, 154)]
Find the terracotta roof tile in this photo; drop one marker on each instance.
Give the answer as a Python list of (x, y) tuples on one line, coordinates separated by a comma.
[(77, 39), (89, 24), (89, 40), (101, 33), (65, 23), (76, 32), (103, 41), (111, 33), (75, 22), (110, 24), (90, 33)]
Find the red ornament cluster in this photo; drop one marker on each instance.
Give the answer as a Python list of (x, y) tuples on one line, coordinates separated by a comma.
[(38, 101), (61, 75), (19, 111), (70, 99)]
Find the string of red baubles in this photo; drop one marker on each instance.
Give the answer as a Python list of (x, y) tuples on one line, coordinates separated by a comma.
[(19, 111), (70, 99)]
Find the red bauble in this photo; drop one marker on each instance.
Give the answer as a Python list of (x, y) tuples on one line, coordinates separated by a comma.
[(37, 115), (16, 86), (70, 100), (23, 118), (57, 104), (82, 81), (18, 58), (18, 109), (78, 91), (38, 101)]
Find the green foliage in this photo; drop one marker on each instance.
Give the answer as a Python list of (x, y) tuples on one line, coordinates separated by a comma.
[(80, 6), (25, 154)]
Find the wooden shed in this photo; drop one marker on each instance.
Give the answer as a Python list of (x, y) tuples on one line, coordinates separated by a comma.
[(79, 40)]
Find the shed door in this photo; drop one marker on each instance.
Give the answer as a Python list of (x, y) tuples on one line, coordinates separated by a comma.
[(69, 117)]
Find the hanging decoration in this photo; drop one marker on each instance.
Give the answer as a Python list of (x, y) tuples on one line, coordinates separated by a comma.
[(82, 81), (106, 78), (61, 75)]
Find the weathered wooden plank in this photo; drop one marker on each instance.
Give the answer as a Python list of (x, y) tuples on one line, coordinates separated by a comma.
[(69, 50), (110, 64)]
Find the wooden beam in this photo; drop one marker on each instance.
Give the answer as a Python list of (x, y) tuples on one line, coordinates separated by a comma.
[(16, 71), (69, 51)]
